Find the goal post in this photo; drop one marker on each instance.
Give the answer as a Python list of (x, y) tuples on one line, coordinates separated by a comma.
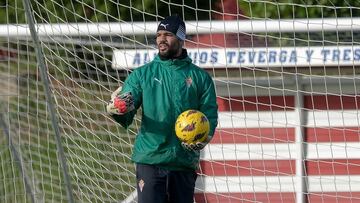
[(286, 78)]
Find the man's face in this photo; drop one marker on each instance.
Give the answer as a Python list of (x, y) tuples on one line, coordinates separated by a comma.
[(168, 44)]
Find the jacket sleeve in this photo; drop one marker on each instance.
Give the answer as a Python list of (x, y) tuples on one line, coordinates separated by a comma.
[(208, 104), (132, 84)]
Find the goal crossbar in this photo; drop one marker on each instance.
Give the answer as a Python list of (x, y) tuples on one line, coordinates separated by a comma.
[(193, 27)]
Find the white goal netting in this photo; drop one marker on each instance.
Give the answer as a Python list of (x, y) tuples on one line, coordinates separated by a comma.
[(287, 79)]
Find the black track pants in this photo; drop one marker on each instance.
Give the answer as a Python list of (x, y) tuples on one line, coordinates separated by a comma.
[(156, 185)]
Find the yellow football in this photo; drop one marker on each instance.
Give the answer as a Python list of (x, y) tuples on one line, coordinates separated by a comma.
[(192, 126)]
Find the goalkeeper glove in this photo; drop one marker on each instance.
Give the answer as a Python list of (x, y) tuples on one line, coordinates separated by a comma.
[(197, 146), (121, 104)]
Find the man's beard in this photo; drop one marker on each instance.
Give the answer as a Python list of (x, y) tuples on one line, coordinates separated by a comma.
[(171, 52)]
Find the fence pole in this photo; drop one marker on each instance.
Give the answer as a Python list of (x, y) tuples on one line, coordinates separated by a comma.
[(50, 105), (299, 140)]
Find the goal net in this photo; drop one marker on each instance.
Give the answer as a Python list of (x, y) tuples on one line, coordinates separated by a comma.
[(287, 79)]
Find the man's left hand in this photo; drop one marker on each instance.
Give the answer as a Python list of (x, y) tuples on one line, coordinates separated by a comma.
[(197, 146)]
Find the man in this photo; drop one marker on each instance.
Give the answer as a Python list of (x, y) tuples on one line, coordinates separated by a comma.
[(164, 88)]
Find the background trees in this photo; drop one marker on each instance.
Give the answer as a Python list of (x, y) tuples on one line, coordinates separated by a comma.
[(11, 11)]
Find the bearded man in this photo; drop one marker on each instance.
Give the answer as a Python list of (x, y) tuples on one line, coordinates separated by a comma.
[(164, 88)]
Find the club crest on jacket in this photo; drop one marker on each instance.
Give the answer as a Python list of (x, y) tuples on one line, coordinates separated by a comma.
[(188, 81)]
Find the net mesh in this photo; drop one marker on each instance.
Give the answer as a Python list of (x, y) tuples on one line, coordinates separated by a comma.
[(289, 123)]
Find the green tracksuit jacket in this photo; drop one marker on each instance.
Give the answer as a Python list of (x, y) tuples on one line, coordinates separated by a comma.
[(164, 89)]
